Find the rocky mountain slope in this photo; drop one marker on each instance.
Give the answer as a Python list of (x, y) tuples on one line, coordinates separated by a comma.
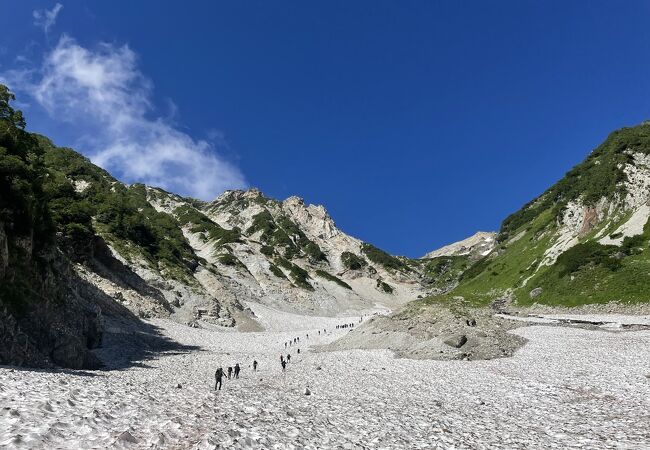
[(583, 241), (212, 261), (478, 245), (77, 243)]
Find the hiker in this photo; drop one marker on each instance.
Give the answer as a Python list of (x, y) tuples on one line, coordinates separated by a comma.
[(307, 335), (254, 366), (298, 351), (288, 358), (237, 369), (284, 365), (281, 358), (218, 377), (229, 372), (285, 345)]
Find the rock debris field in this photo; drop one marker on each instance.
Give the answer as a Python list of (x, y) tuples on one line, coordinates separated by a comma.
[(566, 388)]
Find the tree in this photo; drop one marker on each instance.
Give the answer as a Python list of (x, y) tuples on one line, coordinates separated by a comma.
[(7, 113)]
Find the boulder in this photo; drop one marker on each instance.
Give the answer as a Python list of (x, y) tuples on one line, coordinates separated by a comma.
[(456, 341), (535, 292)]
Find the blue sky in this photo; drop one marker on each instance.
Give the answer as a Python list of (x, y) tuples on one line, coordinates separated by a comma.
[(415, 123)]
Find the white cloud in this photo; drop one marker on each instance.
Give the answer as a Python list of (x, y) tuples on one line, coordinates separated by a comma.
[(102, 92), (45, 19)]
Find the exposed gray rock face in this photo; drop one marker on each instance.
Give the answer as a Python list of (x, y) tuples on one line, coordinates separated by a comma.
[(456, 341), (536, 292), (260, 267), (436, 333), (475, 246)]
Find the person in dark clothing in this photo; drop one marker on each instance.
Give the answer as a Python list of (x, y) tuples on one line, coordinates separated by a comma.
[(298, 351), (288, 358), (237, 369), (229, 372), (218, 378), (284, 365), (254, 366)]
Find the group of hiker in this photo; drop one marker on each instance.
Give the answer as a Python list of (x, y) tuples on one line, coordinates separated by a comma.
[(234, 372), (231, 373), (293, 341)]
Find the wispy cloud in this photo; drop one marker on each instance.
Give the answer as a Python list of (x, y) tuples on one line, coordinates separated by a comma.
[(104, 93), (45, 19)]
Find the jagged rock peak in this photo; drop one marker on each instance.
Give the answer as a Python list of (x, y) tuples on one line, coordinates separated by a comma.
[(237, 195), (294, 200), (479, 244)]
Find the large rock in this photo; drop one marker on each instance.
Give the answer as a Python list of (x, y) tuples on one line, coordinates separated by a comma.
[(456, 341)]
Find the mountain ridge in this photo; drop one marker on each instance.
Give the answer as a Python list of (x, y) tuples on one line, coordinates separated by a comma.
[(84, 257)]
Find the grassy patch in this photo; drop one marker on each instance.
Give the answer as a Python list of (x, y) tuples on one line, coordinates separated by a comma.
[(385, 287), (352, 261), (298, 275), (328, 276), (379, 256)]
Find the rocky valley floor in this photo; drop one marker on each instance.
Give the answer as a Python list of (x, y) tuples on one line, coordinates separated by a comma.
[(566, 388)]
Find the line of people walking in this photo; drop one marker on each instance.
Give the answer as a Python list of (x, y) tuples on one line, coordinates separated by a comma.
[(231, 373)]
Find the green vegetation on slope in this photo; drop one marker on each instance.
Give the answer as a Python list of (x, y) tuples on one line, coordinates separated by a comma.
[(26, 226), (352, 261), (379, 256), (202, 224), (121, 214), (299, 275), (444, 271), (588, 272), (330, 277), (383, 286), (599, 175), (286, 234)]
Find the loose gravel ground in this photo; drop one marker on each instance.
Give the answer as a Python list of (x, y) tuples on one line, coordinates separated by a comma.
[(566, 388)]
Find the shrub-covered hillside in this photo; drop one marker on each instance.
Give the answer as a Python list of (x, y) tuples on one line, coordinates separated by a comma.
[(585, 240)]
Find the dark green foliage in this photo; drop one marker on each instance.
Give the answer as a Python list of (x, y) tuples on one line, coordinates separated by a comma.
[(352, 261), (298, 274), (445, 270), (122, 213), (277, 271), (476, 268), (25, 219), (229, 259), (314, 252), (384, 287), (23, 205), (330, 277), (600, 175), (285, 234), (264, 222), (633, 245), (381, 257), (202, 224), (267, 250), (586, 254)]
